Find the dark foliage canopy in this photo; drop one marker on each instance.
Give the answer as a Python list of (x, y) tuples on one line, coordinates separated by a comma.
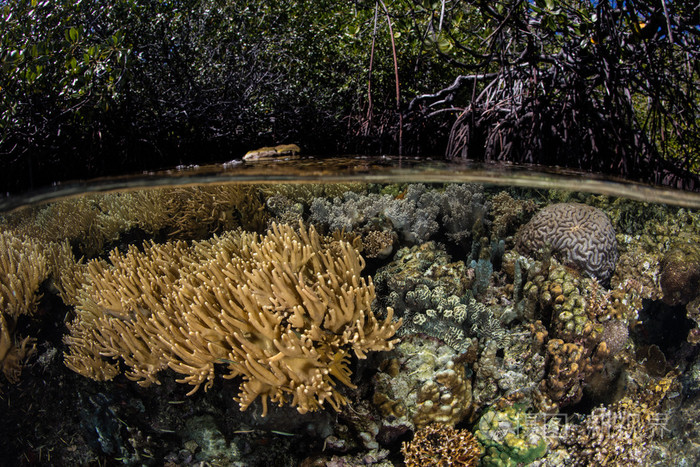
[(89, 88), (605, 86)]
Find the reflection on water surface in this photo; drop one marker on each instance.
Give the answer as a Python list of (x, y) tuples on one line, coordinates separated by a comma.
[(369, 170)]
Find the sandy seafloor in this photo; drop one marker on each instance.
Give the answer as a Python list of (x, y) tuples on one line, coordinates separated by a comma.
[(563, 338)]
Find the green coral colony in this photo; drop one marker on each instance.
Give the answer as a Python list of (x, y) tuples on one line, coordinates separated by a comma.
[(450, 324)]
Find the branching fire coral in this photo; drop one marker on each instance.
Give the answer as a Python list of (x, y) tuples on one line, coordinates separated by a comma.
[(281, 310)]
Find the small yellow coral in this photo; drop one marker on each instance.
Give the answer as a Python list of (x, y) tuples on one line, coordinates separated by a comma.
[(441, 445), (378, 244)]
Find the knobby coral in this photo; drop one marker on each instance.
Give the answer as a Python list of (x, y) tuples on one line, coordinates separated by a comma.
[(422, 381), (282, 310), (581, 235)]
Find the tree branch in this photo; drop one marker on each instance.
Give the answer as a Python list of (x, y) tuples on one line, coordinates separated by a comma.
[(447, 94)]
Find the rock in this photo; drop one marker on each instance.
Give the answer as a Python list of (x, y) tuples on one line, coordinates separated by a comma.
[(280, 151)]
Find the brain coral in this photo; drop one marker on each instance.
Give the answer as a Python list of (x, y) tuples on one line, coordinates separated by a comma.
[(581, 235)]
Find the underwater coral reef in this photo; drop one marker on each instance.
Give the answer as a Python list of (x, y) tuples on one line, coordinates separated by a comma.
[(350, 324)]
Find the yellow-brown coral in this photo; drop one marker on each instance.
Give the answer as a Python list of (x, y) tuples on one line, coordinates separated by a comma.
[(22, 270), (441, 445), (196, 212), (281, 310), (508, 213), (568, 362)]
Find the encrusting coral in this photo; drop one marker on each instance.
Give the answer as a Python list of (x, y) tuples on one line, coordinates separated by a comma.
[(22, 270), (282, 310)]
